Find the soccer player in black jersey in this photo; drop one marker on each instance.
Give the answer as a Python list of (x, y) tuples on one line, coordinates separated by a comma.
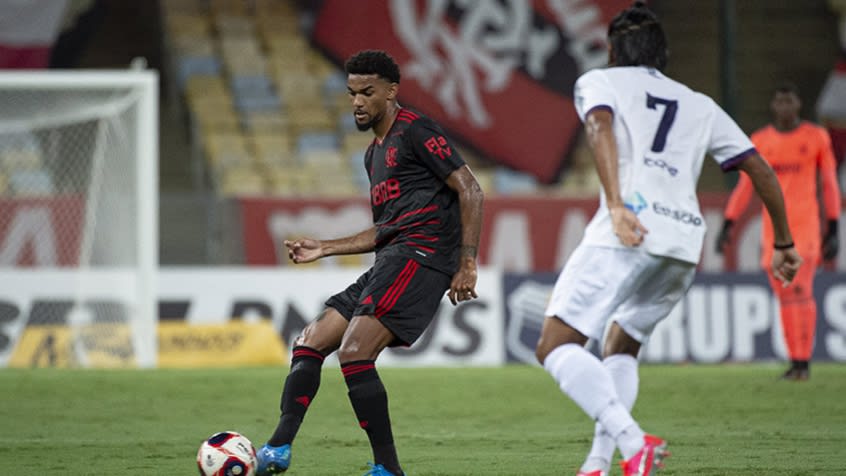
[(427, 214)]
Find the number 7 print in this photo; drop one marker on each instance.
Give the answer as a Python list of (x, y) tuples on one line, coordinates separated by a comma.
[(670, 108)]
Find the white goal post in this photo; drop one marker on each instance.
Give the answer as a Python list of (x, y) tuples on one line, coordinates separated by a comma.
[(79, 236)]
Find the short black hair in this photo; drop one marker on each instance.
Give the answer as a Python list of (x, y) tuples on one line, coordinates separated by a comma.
[(637, 38), (787, 87), (373, 62)]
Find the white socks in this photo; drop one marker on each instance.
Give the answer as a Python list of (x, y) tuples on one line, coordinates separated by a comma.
[(584, 379), (623, 370)]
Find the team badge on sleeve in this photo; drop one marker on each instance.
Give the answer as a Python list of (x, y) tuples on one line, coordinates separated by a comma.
[(438, 146)]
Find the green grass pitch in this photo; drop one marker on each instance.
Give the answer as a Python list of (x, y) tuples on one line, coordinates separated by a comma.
[(719, 420)]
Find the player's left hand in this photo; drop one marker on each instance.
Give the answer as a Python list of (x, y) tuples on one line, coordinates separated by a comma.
[(463, 286)]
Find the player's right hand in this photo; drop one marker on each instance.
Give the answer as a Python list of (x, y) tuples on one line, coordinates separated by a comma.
[(785, 265), (304, 250), (627, 227)]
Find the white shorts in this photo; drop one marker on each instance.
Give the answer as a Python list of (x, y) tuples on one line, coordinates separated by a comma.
[(626, 285)]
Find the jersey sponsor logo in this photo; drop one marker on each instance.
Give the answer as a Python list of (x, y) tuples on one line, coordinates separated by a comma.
[(661, 164), (391, 157), (680, 216), (636, 203), (384, 191), (438, 146)]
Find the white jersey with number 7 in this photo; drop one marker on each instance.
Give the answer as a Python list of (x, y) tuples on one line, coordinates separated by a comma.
[(663, 130)]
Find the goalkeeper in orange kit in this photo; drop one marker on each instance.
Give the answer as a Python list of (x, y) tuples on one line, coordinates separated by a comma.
[(801, 154)]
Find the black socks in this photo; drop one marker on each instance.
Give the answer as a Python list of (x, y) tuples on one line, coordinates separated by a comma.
[(370, 403), (300, 388)]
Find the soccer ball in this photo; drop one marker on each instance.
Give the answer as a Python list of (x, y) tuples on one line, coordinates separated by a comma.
[(227, 453)]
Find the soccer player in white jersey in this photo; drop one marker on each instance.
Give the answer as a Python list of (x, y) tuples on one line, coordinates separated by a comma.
[(649, 135)]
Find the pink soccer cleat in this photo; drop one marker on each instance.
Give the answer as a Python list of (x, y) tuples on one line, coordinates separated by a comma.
[(648, 460)]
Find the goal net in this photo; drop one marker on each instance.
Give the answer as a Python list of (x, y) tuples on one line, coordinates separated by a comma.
[(78, 218)]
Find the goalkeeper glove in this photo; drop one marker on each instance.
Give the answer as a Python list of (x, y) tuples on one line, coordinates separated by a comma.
[(830, 242), (725, 236)]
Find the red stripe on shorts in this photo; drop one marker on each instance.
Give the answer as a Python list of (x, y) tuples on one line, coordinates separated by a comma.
[(397, 288)]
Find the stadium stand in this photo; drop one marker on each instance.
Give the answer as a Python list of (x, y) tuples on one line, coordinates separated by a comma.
[(261, 100), (276, 82), (205, 94)]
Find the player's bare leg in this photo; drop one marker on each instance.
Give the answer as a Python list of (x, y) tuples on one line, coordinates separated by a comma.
[(319, 339), (555, 333), (619, 342), (362, 343)]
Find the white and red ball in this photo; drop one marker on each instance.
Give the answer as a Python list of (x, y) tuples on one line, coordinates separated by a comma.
[(227, 453)]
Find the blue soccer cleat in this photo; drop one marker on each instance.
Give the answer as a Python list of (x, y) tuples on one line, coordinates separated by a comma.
[(273, 460), (379, 470)]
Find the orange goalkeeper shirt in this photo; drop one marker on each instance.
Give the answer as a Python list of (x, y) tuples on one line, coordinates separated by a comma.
[(798, 158)]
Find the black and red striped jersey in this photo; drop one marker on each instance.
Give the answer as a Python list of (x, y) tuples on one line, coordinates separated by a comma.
[(416, 214)]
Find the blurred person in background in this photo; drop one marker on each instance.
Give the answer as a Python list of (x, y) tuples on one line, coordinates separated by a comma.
[(801, 155), (427, 211), (80, 23), (648, 135)]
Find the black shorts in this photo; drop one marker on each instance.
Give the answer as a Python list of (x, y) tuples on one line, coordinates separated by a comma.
[(399, 292)]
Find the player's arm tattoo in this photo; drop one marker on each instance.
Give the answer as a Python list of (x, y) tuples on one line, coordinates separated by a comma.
[(471, 200)]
